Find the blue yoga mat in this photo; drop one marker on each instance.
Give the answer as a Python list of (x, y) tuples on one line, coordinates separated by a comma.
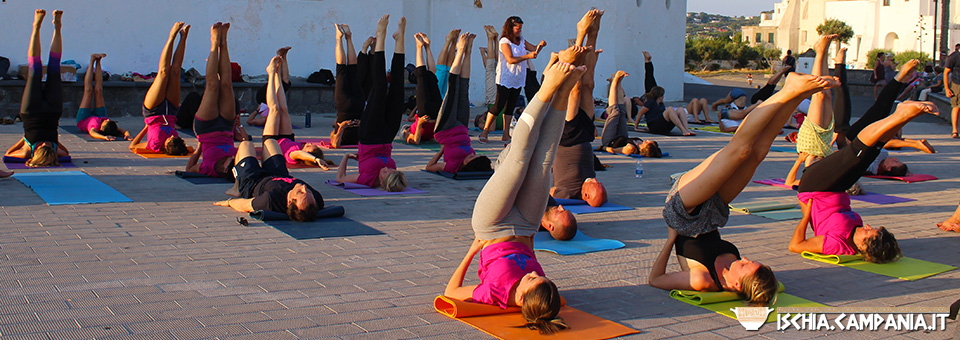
[(783, 149), (580, 244), (70, 187), (323, 228), (580, 207)]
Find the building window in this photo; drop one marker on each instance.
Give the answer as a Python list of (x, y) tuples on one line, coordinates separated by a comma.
[(770, 38), (886, 2), (803, 37), (759, 37)]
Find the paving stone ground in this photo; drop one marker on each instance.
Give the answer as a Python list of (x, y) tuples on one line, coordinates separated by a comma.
[(170, 265)]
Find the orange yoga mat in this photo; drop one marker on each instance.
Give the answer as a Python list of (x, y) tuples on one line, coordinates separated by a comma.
[(147, 153), (502, 323)]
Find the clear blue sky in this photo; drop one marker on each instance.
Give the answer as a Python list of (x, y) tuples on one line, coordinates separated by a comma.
[(731, 7)]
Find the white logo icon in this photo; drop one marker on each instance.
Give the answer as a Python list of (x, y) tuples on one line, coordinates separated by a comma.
[(752, 318)]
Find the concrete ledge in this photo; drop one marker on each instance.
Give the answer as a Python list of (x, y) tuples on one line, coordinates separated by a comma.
[(124, 98)]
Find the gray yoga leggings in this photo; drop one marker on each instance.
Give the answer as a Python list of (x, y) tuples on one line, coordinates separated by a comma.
[(513, 200), (616, 124)]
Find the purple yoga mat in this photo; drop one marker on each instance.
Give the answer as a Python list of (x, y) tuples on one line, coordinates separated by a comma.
[(19, 163), (364, 190), (876, 198)]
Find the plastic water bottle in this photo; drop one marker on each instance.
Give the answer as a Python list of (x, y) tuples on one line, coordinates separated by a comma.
[(306, 120), (639, 168)]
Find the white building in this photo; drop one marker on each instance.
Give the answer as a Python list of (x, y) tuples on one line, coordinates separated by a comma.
[(132, 32), (899, 25)]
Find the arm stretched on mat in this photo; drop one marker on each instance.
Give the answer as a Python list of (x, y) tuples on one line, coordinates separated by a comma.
[(799, 242)]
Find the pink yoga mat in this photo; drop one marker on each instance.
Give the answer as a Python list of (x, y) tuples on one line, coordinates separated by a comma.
[(908, 179)]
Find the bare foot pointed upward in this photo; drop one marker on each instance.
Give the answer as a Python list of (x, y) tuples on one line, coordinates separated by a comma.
[(620, 74), (647, 57), (184, 31), (491, 32), (282, 52), (383, 22), (586, 23), (215, 33), (273, 65), (38, 17), (841, 57), (573, 54), (401, 28), (821, 46), (57, 18), (911, 109), (804, 85), (345, 29), (177, 26), (907, 69)]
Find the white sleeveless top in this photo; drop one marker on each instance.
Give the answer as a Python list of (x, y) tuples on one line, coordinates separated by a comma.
[(512, 75)]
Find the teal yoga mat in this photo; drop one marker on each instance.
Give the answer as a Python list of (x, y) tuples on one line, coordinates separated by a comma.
[(581, 243), (581, 207), (70, 187), (323, 228)]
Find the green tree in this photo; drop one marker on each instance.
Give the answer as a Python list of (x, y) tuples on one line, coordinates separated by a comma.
[(835, 26), (905, 56)]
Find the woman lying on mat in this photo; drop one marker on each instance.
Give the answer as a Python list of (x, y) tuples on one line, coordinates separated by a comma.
[(381, 119), (826, 205), (214, 123), (815, 144), (42, 106), (94, 121), (279, 127), (509, 209), (351, 87), (160, 105), (697, 205), (259, 118), (429, 98), (451, 129), (615, 138), (268, 185)]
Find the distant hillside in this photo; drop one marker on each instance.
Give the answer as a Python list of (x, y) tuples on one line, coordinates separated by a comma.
[(704, 24)]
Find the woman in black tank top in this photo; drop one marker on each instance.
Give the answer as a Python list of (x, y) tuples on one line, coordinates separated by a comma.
[(697, 205)]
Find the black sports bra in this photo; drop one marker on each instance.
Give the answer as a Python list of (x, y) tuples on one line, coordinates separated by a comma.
[(705, 249)]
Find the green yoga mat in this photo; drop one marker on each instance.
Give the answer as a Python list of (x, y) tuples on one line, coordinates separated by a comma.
[(906, 268), (722, 302), (772, 210), (710, 128)]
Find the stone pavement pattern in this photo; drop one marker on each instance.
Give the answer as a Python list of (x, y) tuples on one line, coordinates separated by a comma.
[(170, 265)]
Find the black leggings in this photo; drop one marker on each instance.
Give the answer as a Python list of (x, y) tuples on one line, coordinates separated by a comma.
[(381, 117), (763, 94), (649, 81), (42, 104), (348, 95), (363, 73), (428, 93), (455, 110), (839, 171), (532, 85), (841, 100), (506, 100), (880, 109)]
